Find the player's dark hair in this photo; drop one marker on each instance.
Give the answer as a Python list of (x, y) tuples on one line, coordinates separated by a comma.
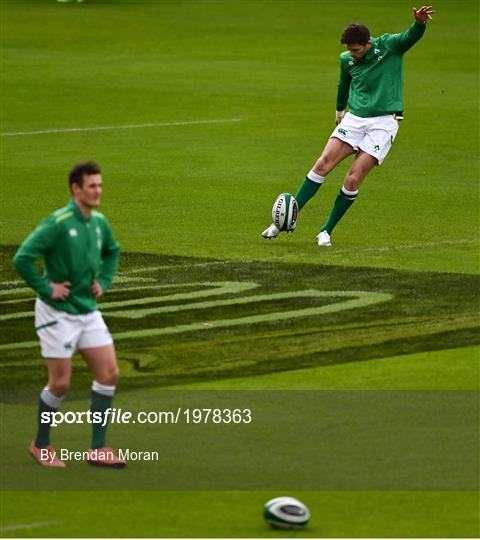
[(355, 34), (80, 170)]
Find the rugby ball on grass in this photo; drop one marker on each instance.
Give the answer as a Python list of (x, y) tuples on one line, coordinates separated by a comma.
[(285, 212), (286, 513)]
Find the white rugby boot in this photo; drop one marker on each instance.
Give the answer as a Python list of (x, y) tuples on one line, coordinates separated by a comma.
[(271, 232), (323, 239)]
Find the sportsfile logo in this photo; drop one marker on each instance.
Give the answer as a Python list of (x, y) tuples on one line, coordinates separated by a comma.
[(180, 415)]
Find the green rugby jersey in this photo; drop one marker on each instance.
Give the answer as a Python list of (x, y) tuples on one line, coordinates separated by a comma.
[(74, 249), (373, 86)]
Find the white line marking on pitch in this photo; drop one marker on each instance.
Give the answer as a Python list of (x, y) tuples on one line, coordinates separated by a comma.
[(127, 126), (27, 525), (417, 245)]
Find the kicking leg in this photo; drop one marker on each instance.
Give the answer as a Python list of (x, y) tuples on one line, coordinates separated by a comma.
[(334, 152), (361, 166)]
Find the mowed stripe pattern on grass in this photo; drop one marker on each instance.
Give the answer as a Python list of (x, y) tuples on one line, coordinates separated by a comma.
[(245, 319)]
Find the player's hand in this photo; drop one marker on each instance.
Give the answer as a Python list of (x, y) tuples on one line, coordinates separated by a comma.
[(423, 14), (339, 116), (97, 290), (60, 291)]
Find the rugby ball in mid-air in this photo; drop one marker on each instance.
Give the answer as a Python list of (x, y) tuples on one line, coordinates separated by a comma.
[(285, 212), (286, 513)]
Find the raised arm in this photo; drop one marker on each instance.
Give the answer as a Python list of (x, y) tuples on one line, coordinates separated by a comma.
[(423, 14), (404, 41)]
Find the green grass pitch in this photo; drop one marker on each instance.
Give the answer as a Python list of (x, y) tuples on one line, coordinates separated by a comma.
[(200, 113)]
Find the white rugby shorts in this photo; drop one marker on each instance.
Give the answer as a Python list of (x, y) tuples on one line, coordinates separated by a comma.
[(61, 334), (374, 135)]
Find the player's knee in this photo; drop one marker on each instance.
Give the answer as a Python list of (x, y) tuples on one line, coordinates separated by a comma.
[(352, 181), (59, 387), (322, 166), (109, 376)]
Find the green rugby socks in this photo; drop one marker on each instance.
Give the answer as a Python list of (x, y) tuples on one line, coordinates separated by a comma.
[(307, 190), (102, 397), (342, 203), (47, 403)]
